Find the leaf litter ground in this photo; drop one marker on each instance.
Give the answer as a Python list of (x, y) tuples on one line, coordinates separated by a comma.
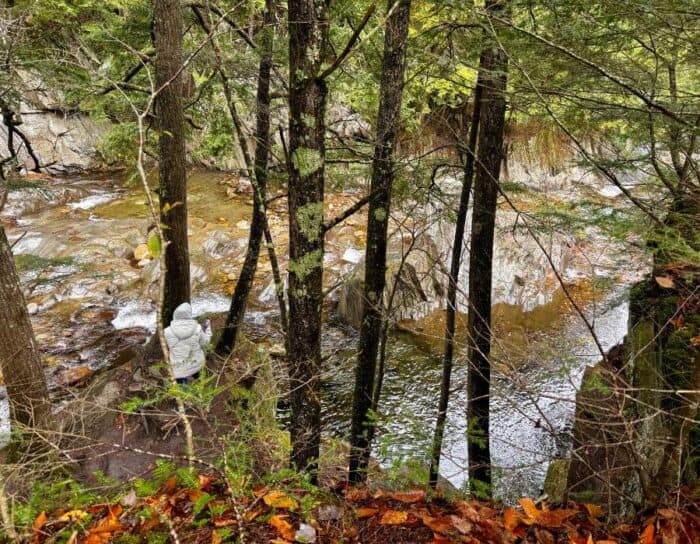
[(205, 512)]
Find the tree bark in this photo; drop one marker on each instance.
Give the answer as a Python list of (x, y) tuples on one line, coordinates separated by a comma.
[(451, 309), (19, 355), (494, 66), (170, 122), (308, 44), (239, 299), (388, 121)]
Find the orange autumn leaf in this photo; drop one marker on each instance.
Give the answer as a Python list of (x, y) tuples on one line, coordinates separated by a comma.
[(530, 510), (438, 525), (647, 536), (665, 282), (512, 519), (365, 512), (356, 494), (594, 510), (394, 517), (216, 537), (205, 481), (259, 490), (440, 539), (409, 497), (283, 527), (554, 519), (277, 499), (606, 542), (37, 526)]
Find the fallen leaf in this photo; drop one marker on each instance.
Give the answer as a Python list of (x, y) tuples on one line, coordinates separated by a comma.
[(462, 525), (361, 513), (441, 525), (409, 496), (606, 542), (73, 515), (554, 519), (530, 510), (283, 527), (665, 282), (439, 539), (205, 481), (594, 510), (512, 519), (250, 516), (277, 499), (695, 341), (357, 494), (647, 536), (215, 537), (394, 517)]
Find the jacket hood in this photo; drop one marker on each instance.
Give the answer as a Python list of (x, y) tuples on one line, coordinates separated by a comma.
[(183, 311)]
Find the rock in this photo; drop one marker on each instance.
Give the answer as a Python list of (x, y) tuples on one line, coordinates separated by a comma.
[(329, 512), (306, 534), (32, 308), (555, 481), (143, 263), (419, 289), (243, 225), (142, 252), (352, 255)]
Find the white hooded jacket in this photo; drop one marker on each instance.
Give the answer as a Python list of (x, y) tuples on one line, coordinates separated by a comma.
[(186, 340)]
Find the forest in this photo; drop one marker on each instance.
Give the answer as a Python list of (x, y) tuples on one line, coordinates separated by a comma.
[(348, 271)]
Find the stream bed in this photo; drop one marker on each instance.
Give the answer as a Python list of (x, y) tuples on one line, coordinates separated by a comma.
[(91, 296)]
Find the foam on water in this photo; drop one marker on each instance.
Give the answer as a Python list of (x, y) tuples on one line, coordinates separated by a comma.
[(93, 201), (142, 314)]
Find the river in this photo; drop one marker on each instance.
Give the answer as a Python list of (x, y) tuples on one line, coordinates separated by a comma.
[(91, 298)]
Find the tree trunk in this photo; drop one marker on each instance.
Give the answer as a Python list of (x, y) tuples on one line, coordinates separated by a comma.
[(19, 355), (259, 180), (308, 43), (170, 121), (451, 310), (493, 66), (388, 120)]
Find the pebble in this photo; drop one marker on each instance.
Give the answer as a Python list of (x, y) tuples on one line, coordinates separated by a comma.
[(306, 534), (32, 308)]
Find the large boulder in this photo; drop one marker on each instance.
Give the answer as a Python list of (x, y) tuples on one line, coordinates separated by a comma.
[(416, 278)]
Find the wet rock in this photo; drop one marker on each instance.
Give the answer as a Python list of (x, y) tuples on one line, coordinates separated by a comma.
[(419, 288), (352, 255)]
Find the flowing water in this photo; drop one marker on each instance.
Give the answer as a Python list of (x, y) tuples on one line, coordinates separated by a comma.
[(91, 298)]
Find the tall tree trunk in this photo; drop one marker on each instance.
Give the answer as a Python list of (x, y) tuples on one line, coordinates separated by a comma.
[(451, 310), (388, 120), (493, 66), (259, 181), (308, 44), (19, 355), (170, 120)]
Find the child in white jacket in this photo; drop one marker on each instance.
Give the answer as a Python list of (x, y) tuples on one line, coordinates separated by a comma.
[(186, 341)]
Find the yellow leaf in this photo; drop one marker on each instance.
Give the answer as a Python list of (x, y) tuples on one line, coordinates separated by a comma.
[(283, 527), (277, 499), (365, 512), (665, 282), (530, 510), (594, 510), (394, 517), (73, 515)]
